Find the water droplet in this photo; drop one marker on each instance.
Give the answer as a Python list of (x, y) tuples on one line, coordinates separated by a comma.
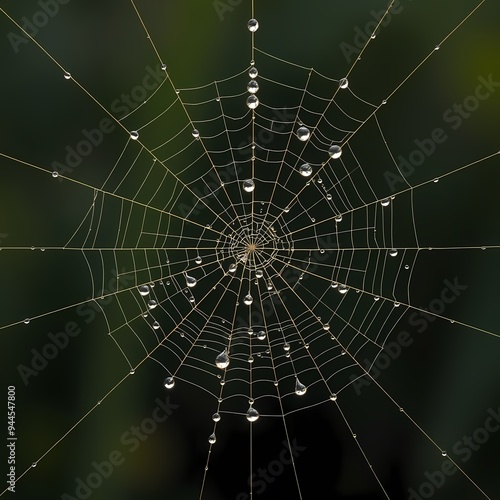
[(286, 346), (393, 252), (55, 174), (335, 151), (343, 289), (248, 299), (269, 286), (232, 267), (300, 389), (343, 83), (252, 72), (396, 304), (152, 304), (333, 397), (252, 101), (252, 414), (328, 196), (443, 453), (326, 327), (252, 86), (34, 464), (407, 266), (436, 179), (437, 47), (385, 202), (169, 382), (259, 273), (222, 360), (250, 359), (156, 325), (134, 135), (253, 25), (26, 321), (190, 281), (261, 335), (248, 185), (305, 170), (216, 417), (144, 290), (212, 439), (164, 67), (67, 76), (338, 218), (132, 371), (303, 133), (198, 260), (195, 134)]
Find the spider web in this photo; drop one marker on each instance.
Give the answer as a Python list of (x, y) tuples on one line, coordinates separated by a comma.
[(258, 249)]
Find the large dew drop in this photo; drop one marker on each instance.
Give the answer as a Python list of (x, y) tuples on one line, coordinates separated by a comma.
[(212, 439), (248, 185), (252, 414), (385, 202), (261, 335), (190, 281), (252, 86), (343, 83), (393, 252), (134, 135), (144, 290), (169, 382), (222, 360), (252, 101), (335, 152), (300, 389), (252, 72), (305, 170), (195, 134), (248, 299), (253, 25), (303, 133)]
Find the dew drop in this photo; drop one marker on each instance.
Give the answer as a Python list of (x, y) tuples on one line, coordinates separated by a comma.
[(261, 335), (333, 397), (252, 414), (250, 359), (338, 218), (222, 360), (252, 86), (67, 76), (253, 25), (393, 252), (343, 289), (328, 196), (252, 101), (343, 83), (248, 185), (252, 72), (132, 371), (134, 135), (152, 304), (326, 327), (286, 346), (305, 170), (259, 273), (385, 202), (396, 304), (156, 325), (33, 464), (26, 321), (232, 267), (195, 134), (164, 67), (212, 439), (443, 453), (248, 299), (407, 267), (190, 281), (55, 174), (198, 260), (144, 290), (300, 389), (216, 417), (303, 133), (169, 382), (335, 151)]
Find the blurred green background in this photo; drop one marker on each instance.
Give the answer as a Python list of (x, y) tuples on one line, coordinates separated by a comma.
[(446, 380)]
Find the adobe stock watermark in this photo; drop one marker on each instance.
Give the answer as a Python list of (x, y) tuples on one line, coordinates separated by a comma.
[(361, 36), (130, 441), (48, 10), (453, 117), (121, 107), (464, 448), (223, 6), (419, 319), (60, 340), (260, 480)]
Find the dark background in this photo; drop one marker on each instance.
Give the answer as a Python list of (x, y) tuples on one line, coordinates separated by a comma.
[(446, 380)]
